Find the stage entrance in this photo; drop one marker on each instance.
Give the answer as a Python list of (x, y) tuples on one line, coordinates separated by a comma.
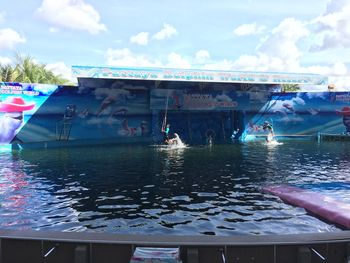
[(196, 127)]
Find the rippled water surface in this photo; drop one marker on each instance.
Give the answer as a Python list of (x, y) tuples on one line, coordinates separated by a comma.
[(142, 189)]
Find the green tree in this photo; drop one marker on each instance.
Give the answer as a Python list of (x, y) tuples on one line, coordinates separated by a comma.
[(7, 73), (290, 88), (26, 70)]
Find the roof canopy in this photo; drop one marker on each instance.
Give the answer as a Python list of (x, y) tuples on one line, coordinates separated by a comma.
[(169, 74)]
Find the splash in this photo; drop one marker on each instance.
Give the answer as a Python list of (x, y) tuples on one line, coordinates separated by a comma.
[(5, 148), (273, 143), (176, 143)]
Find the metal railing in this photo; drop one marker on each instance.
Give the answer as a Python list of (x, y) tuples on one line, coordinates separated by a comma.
[(37, 246)]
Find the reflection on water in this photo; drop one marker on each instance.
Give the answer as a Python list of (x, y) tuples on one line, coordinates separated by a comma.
[(197, 190)]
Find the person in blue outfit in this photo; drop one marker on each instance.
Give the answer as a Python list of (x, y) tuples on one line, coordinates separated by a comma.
[(166, 134)]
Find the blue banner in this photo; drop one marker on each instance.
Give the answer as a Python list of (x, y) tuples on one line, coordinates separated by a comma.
[(18, 102)]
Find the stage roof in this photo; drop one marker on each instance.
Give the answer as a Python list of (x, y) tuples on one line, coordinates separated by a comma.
[(197, 75)]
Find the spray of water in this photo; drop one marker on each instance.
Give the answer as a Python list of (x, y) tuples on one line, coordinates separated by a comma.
[(176, 142)]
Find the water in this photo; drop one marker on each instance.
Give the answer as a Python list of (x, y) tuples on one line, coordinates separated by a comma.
[(196, 190)]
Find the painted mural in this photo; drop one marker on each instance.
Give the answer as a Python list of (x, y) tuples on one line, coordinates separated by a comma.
[(302, 114), (107, 110), (119, 110), (172, 99), (18, 103)]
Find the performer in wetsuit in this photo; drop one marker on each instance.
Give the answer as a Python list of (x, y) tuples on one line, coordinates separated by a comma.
[(166, 134)]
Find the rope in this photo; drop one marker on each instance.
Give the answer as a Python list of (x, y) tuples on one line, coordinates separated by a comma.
[(166, 113)]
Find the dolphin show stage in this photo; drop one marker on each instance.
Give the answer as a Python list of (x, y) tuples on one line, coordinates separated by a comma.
[(130, 106)]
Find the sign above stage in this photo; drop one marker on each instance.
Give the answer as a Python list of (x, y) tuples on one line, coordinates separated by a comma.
[(168, 74), (172, 99)]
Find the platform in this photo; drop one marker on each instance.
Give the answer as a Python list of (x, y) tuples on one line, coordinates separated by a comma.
[(43, 246), (333, 137), (325, 207)]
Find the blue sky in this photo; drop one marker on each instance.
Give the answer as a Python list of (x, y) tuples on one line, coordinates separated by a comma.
[(310, 36)]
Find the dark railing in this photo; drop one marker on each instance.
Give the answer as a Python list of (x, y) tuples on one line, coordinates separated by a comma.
[(37, 246)]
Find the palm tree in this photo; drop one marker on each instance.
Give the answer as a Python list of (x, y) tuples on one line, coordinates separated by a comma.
[(7, 73), (30, 72), (26, 70)]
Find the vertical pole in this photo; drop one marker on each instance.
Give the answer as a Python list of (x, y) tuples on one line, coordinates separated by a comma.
[(156, 118), (192, 255), (348, 253), (223, 126), (189, 126), (304, 255), (0, 251)]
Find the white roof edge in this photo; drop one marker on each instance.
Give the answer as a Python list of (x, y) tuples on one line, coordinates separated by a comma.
[(198, 75)]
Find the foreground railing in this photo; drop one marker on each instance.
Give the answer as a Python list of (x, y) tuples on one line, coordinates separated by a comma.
[(37, 246)]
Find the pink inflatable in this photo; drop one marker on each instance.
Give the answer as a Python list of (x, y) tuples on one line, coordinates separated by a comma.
[(324, 206)]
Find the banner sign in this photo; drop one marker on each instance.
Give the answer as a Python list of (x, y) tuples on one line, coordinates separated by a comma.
[(162, 99), (18, 102), (198, 75)]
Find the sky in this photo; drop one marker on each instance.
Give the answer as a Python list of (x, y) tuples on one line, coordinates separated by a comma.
[(308, 36)]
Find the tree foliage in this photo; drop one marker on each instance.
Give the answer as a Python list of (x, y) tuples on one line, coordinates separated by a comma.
[(26, 70), (290, 87), (7, 73)]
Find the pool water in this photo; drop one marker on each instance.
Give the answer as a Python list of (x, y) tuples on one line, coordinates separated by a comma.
[(199, 190)]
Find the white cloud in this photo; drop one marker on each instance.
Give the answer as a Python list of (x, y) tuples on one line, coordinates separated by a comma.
[(140, 39), (339, 76), (333, 27), (124, 57), (60, 68), (248, 29), (277, 51), (282, 42), (202, 55), (5, 61), (335, 6), (177, 61), (341, 83), (260, 62), (337, 72), (9, 38), (281, 50), (72, 14), (54, 29), (167, 31), (263, 62), (219, 65)]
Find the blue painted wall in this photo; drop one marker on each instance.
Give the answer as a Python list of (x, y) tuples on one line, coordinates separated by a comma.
[(304, 113), (105, 109)]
